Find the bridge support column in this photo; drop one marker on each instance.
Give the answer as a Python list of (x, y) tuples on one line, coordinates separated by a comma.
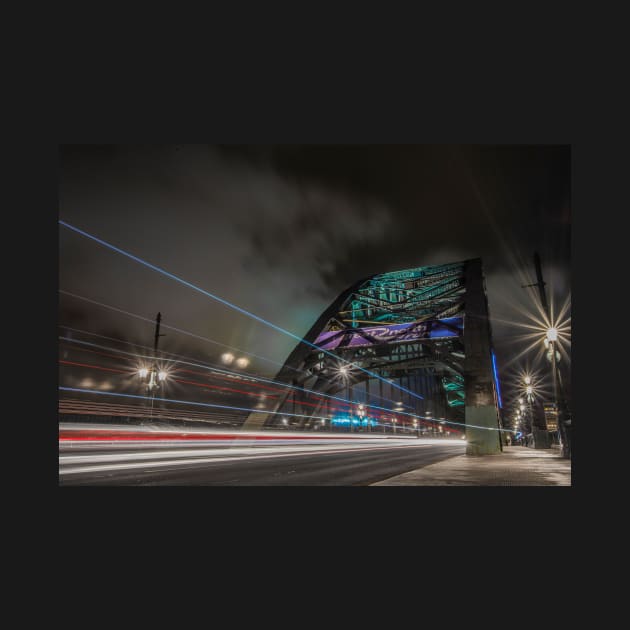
[(482, 418), (541, 438)]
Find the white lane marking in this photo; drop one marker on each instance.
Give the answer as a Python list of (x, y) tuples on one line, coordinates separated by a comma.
[(197, 462), (198, 452)]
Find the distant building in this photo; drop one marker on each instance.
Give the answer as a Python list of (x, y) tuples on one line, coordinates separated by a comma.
[(551, 416)]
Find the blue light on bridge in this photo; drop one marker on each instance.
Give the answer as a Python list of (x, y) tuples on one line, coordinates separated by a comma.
[(496, 379), (346, 420)]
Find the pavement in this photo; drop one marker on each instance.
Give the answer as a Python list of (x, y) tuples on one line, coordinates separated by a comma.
[(515, 466)]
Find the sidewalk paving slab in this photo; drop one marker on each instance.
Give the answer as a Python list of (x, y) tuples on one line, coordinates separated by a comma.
[(515, 466)]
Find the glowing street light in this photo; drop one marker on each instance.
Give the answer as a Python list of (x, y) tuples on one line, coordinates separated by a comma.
[(227, 358), (242, 362), (152, 374), (552, 334), (149, 376), (529, 391)]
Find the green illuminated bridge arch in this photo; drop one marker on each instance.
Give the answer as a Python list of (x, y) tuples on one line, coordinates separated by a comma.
[(424, 335)]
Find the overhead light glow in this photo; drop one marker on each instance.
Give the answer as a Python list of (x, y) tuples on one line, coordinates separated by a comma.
[(227, 358), (242, 362)]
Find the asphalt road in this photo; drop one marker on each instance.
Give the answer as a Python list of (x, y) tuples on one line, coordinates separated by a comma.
[(173, 463)]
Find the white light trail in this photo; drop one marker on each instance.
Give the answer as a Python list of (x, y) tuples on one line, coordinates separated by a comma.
[(198, 455), (229, 304)]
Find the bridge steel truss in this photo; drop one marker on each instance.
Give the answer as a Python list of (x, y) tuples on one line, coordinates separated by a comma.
[(426, 330)]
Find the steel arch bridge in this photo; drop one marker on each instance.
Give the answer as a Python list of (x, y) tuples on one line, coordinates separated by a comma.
[(406, 351)]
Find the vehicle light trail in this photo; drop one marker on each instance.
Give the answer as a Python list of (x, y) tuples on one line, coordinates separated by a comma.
[(233, 306), (132, 450), (70, 340), (173, 328), (76, 407), (181, 402), (213, 405), (313, 394)]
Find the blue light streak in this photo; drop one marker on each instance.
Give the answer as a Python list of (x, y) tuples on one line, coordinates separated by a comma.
[(356, 421), (229, 304), (496, 379), (230, 373), (200, 404), (191, 335), (211, 368)]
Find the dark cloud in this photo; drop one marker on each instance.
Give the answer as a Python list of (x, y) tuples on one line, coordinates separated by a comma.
[(242, 231), (281, 230)]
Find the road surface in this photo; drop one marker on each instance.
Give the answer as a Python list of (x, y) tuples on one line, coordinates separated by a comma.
[(133, 457)]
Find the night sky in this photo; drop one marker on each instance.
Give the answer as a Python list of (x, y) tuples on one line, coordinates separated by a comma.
[(282, 230)]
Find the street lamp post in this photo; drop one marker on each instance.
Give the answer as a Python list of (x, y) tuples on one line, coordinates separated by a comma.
[(526, 426), (343, 372), (552, 338), (150, 377), (529, 395), (156, 377), (143, 374), (361, 414), (398, 408)]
